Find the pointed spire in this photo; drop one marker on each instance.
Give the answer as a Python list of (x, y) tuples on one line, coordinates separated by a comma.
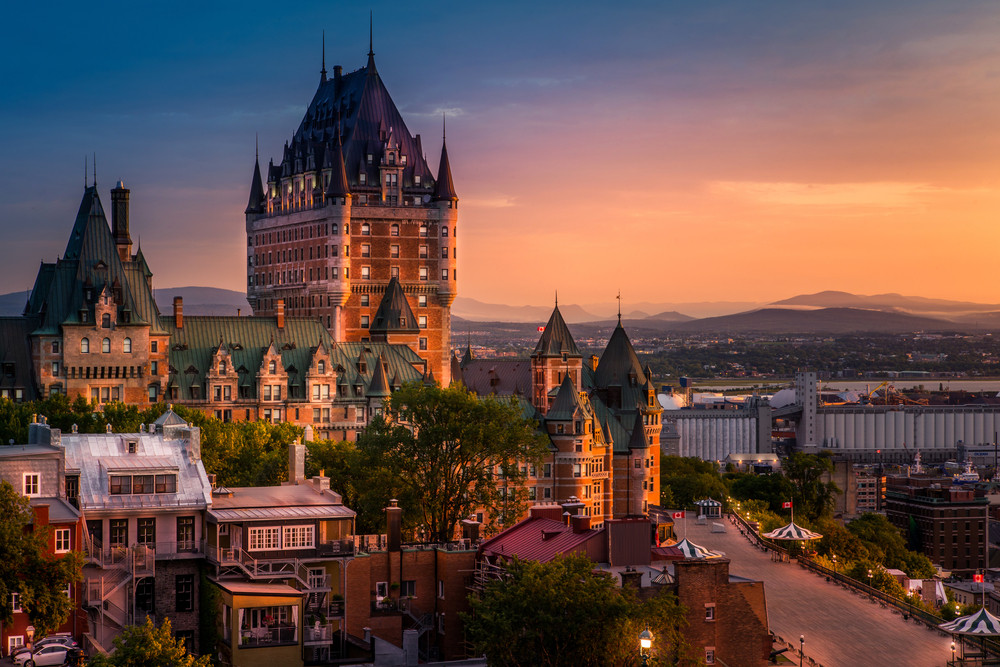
[(256, 202), (322, 71), (556, 338), (379, 386), (86, 173), (338, 173), (619, 297), (95, 170), (371, 41), (444, 188)]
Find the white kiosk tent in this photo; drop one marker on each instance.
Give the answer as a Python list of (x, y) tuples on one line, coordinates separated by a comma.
[(710, 508)]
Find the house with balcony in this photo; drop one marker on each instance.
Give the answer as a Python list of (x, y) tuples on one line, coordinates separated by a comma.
[(142, 497), (37, 470), (278, 555)]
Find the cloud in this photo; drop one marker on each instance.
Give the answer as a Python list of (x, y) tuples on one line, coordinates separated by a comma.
[(500, 201), (874, 194)]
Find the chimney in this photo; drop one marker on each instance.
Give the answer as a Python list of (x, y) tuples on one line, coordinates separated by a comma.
[(179, 312), (573, 506), (321, 482), (580, 523), (296, 463), (393, 516), (470, 529), (211, 480), (338, 72), (279, 312), (119, 221)]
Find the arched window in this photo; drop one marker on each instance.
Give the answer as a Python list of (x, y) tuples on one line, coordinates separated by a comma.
[(222, 368), (127, 346), (394, 230), (321, 367), (272, 367), (444, 230), (366, 229), (106, 345), (85, 345), (106, 321), (336, 229)]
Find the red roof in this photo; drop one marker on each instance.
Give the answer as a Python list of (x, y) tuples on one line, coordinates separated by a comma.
[(538, 539)]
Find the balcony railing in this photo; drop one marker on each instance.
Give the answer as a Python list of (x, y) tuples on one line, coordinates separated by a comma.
[(268, 636), (317, 633)]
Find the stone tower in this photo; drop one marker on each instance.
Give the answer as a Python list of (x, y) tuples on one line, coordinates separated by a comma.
[(351, 206)]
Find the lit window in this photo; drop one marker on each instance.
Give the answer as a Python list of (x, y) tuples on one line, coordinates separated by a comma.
[(106, 345), (422, 321), (85, 345), (366, 272), (423, 273), (127, 346), (394, 230), (423, 230), (444, 230), (444, 274), (364, 300), (366, 229), (422, 300)]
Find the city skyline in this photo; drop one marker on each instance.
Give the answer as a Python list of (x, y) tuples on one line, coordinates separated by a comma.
[(678, 153)]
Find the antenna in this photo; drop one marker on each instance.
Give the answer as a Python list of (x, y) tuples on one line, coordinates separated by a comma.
[(619, 297), (371, 23), (322, 72), (256, 145), (95, 170)]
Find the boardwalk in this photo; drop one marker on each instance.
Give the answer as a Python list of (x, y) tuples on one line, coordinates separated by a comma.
[(841, 629)]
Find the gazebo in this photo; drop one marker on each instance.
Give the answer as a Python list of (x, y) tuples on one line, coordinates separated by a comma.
[(979, 624), (709, 507), (792, 532)]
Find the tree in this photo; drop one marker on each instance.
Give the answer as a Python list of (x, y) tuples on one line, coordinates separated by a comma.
[(455, 453), (27, 568), (563, 613), (814, 498), (149, 646), (690, 479)]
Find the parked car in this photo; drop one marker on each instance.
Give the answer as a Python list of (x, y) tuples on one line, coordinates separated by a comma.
[(53, 654), (51, 640)]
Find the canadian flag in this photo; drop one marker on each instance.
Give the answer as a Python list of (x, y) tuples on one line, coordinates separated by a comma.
[(678, 515), (541, 328), (977, 578), (787, 505)]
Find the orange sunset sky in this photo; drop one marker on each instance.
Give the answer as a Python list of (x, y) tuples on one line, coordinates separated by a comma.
[(676, 151)]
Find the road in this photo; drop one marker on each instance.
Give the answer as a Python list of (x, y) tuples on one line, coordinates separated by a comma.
[(841, 629)]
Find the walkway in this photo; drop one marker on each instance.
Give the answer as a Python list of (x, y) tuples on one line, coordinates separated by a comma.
[(842, 629)]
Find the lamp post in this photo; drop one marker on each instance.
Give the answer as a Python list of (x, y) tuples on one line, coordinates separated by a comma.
[(29, 634), (953, 652), (802, 648), (869, 577), (834, 565), (645, 644)]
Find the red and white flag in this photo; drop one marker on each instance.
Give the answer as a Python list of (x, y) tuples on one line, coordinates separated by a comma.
[(786, 505), (978, 578), (678, 515)]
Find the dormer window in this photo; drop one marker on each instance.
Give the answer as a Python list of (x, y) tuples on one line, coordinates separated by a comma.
[(362, 178), (370, 158), (402, 159), (133, 446), (106, 320), (391, 158), (85, 346), (321, 367), (222, 368), (272, 367), (416, 181)]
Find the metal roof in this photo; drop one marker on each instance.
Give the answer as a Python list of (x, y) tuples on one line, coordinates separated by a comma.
[(268, 503), (556, 340), (394, 313), (60, 511), (282, 513), (96, 454), (15, 349), (538, 539)]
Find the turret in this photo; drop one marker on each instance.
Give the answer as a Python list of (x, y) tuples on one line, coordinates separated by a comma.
[(256, 204)]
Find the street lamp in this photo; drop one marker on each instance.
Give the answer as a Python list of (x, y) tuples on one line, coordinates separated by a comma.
[(802, 648), (835, 564), (645, 644), (869, 577), (953, 652), (29, 633)]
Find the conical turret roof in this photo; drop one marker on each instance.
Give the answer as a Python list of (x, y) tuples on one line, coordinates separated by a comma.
[(618, 362), (394, 314), (338, 175), (379, 386), (566, 403), (444, 188), (638, 438), (556, 340), (256, 202)]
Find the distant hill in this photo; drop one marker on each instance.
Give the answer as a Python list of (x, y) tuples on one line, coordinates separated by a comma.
[(472, 309), (202, 301), (823, 320), (910, 304)]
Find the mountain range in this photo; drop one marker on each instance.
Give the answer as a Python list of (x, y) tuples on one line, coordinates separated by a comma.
[(823, 312)]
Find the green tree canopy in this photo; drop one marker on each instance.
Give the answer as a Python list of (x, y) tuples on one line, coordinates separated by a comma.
[(814, 498), (689, 479), (563, 613), (27, 568), (773, 489), (454, 453), (149, 646)]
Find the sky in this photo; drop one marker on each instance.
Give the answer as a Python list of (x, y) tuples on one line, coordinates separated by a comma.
[(675, 151)]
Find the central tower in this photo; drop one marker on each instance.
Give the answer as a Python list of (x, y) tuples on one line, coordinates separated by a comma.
[(352, 205)]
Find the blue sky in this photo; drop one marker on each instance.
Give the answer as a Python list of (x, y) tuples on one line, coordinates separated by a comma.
[(669, 149)]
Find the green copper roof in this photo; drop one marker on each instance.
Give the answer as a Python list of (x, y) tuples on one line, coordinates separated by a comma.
[(567, 404), (556, 340), (379, 386), (619, 366)]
